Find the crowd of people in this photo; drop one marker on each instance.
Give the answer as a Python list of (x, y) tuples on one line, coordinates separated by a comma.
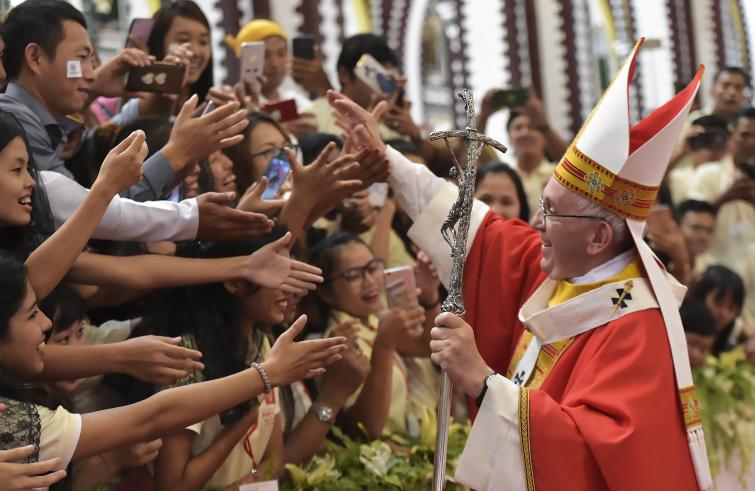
[(168, 322)]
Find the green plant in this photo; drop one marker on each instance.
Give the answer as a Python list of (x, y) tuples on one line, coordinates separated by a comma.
[(390, 463), (726, 390)]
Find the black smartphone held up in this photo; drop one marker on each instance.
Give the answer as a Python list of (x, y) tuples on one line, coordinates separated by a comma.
[(159, 77), (304, 47), (138, 33), (512, 97)]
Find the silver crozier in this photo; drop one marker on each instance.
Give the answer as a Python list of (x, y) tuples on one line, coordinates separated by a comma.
[(454, 232)]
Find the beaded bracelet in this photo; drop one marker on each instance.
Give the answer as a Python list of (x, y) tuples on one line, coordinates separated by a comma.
[(263, 374)]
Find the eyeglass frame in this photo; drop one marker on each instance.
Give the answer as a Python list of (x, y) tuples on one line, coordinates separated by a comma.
[(363, 271), (547, 214), (276, 150)]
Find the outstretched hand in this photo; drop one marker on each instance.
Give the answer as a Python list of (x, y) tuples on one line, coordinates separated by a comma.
[(219, 221), (194, 138), (122, 167), (157, 359), (287, 361), (356, 116), (252, 200), (271, 267), (324, 178)]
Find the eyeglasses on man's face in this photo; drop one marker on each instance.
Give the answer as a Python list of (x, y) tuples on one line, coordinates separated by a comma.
[(373, 268), (549, 214)]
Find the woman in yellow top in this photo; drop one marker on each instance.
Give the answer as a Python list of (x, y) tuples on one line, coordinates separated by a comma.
[(352, 292), (228, 322)]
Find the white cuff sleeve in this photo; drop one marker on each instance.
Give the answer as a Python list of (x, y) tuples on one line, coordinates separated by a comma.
[(426, 229), (413, 184), (124, 219), (492, 457)]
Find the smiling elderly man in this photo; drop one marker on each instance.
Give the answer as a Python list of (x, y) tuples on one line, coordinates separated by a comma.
[(572, 346)]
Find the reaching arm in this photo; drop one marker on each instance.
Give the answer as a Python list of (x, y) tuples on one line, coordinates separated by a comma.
[(176, 468), (151, 358), (150, 271), (308, 436), (182, 406), (124, 219), (50, 262), (374, 402), (265, 267)]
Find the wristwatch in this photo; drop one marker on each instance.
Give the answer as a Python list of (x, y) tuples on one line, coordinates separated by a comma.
[(484, 390), (324, 413)]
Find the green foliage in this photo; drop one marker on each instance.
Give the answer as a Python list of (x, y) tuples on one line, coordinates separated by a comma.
[(726, 389), (394, 462)]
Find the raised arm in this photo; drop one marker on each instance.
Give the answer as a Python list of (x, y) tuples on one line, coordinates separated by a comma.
[(318, 187), (177, 468), (182, 406), (50, 262), (425, 197)]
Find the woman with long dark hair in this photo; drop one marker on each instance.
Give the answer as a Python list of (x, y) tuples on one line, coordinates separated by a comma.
[(180, 34), (230, 323), (56, 433), (723, 292)]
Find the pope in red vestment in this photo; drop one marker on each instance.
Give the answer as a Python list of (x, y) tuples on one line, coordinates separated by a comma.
[(572, 344), (606, 416)]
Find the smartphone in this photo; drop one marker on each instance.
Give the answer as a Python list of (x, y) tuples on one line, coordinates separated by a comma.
[(252, 62), (375, 76), (159, 77), (512, 97), (139, 30), (282, 111), (277, 172), (72, 123), (399, 285), (303, 47)]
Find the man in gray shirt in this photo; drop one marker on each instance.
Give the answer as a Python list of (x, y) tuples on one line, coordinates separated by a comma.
[(51, 75)]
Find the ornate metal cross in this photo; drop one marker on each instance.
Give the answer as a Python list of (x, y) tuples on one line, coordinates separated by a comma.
[(454, 231)]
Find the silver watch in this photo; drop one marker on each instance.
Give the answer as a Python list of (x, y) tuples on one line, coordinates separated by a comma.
[(324, 413)]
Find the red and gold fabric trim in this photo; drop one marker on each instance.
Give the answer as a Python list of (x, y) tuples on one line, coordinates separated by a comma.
[(584, 176), (690, 407), (524, 436)]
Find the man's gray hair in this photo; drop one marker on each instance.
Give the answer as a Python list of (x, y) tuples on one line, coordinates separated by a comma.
[(621, 237)]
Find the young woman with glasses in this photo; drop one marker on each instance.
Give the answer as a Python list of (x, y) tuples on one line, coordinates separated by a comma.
[(263, 139), (352, 292)]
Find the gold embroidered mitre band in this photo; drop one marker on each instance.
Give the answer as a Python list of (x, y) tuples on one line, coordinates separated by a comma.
[(584, 176)]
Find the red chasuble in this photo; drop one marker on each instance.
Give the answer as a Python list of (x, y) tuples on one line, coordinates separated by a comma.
[(606, 415)]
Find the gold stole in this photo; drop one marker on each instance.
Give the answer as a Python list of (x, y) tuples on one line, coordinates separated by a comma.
[(550, 353)]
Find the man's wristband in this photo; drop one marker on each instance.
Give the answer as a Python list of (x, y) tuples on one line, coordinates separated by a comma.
[(484, 391)]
